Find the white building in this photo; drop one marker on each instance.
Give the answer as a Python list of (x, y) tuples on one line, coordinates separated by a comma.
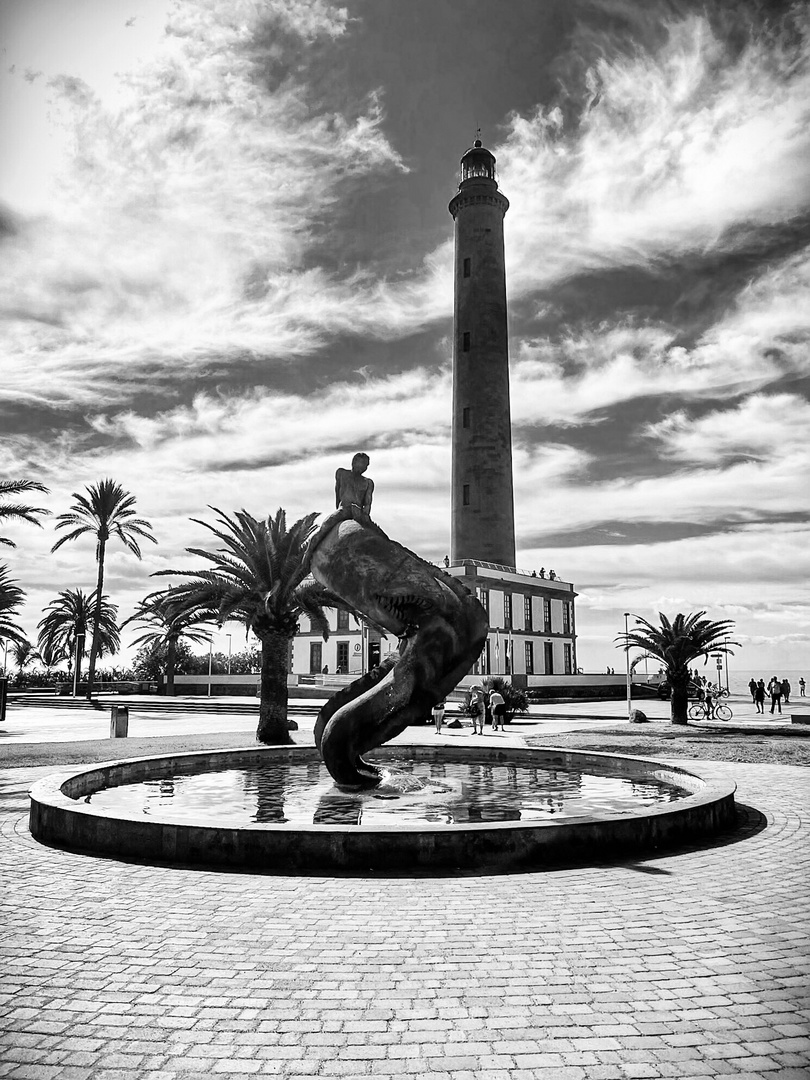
[(531, 619)]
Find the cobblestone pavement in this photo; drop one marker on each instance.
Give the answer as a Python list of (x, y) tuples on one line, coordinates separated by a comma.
[(686, 965)]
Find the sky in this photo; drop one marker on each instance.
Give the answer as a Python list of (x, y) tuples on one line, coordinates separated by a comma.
[(226, 266)]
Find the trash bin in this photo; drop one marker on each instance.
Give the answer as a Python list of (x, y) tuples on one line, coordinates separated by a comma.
[(119, 721)]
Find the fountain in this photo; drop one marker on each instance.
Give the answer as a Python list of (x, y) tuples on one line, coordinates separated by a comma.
[(331, 807)]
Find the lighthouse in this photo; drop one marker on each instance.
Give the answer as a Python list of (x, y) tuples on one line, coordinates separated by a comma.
[(483, 514)]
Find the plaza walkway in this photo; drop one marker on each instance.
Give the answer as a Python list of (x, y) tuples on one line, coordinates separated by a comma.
[(695, 964)]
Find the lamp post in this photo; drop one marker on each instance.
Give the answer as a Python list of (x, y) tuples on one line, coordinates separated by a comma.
[(228, 636), (727, 689), (210, 661), (627, 666)]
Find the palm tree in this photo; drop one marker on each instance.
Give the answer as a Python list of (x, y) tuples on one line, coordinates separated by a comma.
[(107, 511), (260, 578), (676, 644), (19, 511), (164, 624), (24, 654), (67, 622), (11, 597)]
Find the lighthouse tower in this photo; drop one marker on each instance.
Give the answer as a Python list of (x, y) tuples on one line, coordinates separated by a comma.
[(483, 515)]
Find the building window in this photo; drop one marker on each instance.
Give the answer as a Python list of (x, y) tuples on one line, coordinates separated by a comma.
[(528, 647), (527, 612), (343, 620), (567, 654), (467, 267), (465, 495), (483, 599), (507, 609), (566, 614), (465, 341), (342, 657), (547, 616), (465, 417)]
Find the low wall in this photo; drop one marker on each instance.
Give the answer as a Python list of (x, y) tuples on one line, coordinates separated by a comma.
[(59, 817)]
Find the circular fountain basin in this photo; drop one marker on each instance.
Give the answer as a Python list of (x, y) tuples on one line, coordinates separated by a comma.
[(651, 806)]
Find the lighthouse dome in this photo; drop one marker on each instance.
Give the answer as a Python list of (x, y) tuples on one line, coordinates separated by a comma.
[(477, 163)]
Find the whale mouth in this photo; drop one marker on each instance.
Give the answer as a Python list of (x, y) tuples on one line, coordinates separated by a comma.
[(407, 608)]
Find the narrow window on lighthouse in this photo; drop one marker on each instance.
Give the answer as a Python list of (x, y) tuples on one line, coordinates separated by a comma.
[(466, 268), (465, 341), (465, 417), (465, 495)]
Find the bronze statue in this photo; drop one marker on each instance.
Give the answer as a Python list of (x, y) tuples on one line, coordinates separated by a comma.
[(352, 488), (441, 628)]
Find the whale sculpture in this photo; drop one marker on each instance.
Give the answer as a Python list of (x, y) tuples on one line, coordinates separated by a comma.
[(441, 628)]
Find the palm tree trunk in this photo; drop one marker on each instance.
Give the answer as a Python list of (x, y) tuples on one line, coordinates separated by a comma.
[(91, 665), (171, 661), (78, 642), (679, 702), (272, 729)]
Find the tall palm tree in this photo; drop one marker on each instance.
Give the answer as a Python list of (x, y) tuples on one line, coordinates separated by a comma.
[(19, 511), (259, 577), (11, 597), (676, 644), (164, 623), (68, 619), (107, 511)]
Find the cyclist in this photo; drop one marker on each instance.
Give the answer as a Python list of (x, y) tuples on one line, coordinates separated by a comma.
[(708, 701)]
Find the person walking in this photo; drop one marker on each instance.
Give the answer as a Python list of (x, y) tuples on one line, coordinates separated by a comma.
[(438, 716), (786, 688), (752, 687), (801, 686), (477, 709), (497, 707), (775, 692), (759, 696)]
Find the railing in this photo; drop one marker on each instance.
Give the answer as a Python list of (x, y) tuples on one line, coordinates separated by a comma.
[(503, 569)]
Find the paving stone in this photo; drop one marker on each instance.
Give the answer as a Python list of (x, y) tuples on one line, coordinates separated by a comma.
[(699, 969)]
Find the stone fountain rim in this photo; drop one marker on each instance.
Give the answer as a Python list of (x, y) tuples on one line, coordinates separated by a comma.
[(50, 791)]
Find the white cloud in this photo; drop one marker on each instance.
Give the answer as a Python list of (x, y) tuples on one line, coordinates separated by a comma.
[(179, 223), (683, 150), (763, 427)]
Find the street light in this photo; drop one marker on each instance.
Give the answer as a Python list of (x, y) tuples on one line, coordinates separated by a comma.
[(228, 636), (210, 660), (727, 689), (627, 666)]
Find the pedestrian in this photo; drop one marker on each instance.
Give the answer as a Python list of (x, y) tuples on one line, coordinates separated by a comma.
[(477, 709), (775, 692), (786, 688), (709, 701), (759, 697), (752, 686), (498, 708), (438, 716), (801, 686)]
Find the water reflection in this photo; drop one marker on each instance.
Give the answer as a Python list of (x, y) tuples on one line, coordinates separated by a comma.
[(450, 792)]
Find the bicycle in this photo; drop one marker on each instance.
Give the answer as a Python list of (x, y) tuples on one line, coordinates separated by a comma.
[(699, 710)]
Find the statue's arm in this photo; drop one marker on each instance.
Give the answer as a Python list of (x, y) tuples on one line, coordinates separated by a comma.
[(368, 496), (337, 489)]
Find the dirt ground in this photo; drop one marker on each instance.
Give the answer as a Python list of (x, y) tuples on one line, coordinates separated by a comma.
[(688, 742)]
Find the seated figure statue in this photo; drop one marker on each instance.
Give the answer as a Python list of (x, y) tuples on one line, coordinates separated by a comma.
[(352, 488)]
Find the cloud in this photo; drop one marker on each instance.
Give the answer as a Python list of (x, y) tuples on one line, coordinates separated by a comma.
[(763, 427), (570, 379), (182, 224), (690, 147)]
